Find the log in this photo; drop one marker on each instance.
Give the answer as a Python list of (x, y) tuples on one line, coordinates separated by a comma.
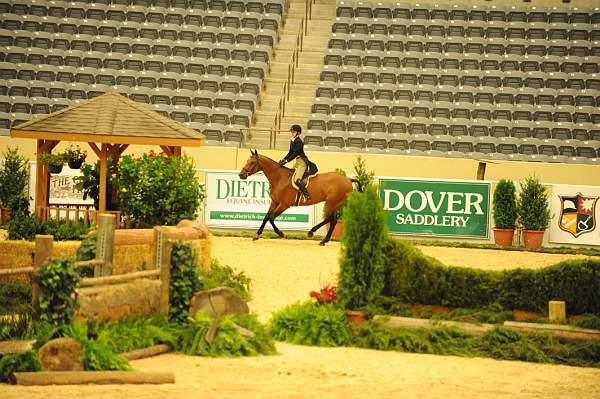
[(561, 332), (7, 347), (90, 377), (147, 352), (407, 322), (18, 270), (118, 278)]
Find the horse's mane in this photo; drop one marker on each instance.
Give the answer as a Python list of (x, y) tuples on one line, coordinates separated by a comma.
[(275, 162)]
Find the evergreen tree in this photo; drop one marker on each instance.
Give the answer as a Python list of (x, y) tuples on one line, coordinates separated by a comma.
[(362, 276)]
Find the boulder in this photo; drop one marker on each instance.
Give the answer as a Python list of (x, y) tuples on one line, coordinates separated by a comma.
[(218, 302), (61, 354)]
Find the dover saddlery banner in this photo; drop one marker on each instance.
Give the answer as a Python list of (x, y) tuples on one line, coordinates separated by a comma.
[(575, 215), (233, 202), (436, 208)]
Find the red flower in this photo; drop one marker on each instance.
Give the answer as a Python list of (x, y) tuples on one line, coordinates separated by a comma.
[(326, 294)]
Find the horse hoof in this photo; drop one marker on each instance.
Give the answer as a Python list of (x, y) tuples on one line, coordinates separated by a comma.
[(322, 243), (280, 234), (256, 237), (310, 234)]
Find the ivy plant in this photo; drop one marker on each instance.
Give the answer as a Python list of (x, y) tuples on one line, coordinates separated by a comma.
[(184, 279), (57, 282)]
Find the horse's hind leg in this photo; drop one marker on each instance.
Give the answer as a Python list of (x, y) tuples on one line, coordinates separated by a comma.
[(330, 230), (323, 223)]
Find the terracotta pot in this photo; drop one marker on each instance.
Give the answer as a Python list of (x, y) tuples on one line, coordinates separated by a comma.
[(533, 238), (504, 237), (338, 230), (4, 215), (522, 315), (356, 317), (55, 169)]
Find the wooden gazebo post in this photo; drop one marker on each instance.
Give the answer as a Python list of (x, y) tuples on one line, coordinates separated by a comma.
[(42, 185)]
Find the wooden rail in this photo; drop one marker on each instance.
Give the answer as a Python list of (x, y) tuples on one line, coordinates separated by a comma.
[(118, 278)]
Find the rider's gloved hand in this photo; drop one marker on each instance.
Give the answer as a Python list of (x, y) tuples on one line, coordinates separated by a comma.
[(282, 162)]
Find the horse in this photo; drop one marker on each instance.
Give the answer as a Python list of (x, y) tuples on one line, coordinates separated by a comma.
[(331, 188)]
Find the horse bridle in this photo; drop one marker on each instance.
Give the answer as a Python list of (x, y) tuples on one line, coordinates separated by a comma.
[(244, 173)]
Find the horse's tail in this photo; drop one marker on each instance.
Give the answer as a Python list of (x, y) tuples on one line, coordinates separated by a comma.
[(358, 183)]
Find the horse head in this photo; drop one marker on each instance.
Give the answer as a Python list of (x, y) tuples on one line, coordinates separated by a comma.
[(252, 166)]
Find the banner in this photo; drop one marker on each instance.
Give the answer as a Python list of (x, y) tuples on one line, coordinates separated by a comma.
[(233, 202), (62, 188), (436, 208), (575, 214)]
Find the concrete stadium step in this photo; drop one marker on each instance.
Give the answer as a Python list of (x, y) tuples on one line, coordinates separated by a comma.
[(306, 75)]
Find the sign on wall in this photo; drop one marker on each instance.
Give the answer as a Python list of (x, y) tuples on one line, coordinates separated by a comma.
[(436, 208), (233, 202), (575, 214)]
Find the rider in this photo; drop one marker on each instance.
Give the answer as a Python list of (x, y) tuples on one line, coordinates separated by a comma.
[(302, 163)]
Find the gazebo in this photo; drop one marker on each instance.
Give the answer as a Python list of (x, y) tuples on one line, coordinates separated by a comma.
[(109, 124)]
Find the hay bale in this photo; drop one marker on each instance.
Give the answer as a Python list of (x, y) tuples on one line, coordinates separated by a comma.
[(19, 253), (132, 258)]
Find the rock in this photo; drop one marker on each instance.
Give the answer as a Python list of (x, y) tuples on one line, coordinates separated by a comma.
[(61, 354), (218, 302)]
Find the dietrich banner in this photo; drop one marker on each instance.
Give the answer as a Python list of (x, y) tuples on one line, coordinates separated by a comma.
[(436, 208), (233, 202)]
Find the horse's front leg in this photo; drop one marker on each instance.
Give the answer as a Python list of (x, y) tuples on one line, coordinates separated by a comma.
[(265, 220), (278, 211)]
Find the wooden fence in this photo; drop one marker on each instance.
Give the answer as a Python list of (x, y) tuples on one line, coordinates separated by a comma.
[(76, 212), (103, 262)]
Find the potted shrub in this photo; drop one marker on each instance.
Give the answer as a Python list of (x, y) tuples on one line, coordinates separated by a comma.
[(55, 162), (505, 212), (75, 157), (533, 211), (14, 182)]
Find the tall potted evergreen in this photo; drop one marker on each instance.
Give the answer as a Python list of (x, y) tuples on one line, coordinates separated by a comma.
[(505, 212), (534, 211)]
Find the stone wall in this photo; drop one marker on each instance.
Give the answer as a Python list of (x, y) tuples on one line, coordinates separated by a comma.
[(138, 298)]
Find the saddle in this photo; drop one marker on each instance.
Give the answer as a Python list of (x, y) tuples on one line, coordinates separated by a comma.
[(305, 179)]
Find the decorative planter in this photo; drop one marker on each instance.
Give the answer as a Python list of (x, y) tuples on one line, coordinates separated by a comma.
[(504, 237), (4, 215), (75, 163), (338, 230), (533, 238), (55, 169), (356, 317)]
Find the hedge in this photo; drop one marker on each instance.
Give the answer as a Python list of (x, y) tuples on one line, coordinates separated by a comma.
[(415, 278)]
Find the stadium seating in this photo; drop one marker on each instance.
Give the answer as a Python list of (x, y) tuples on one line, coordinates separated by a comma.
[(496, 82), (199, 62)]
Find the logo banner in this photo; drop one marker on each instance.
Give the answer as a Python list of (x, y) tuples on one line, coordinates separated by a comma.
[(436, 208), (233, 202), (575, 215)]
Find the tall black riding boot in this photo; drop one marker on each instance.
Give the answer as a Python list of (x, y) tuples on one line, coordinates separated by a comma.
[(303, 189)]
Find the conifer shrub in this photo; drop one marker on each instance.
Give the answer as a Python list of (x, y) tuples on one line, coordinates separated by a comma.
[(362, 266)]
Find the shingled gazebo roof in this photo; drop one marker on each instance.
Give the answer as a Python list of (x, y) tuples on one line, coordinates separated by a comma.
[(110, 118)]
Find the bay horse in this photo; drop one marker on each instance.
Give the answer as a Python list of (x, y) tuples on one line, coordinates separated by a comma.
[(331, 188)]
